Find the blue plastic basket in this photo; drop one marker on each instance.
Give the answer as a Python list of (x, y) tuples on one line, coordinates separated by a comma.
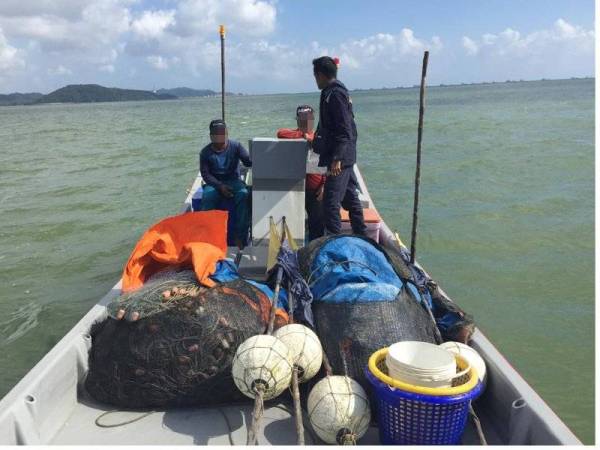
[(405, 418)]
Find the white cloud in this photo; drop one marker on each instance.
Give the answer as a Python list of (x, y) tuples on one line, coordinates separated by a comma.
[(60, 70), (83, 26), (560, 51), (161, 62), (10, 57), (470, 45), (384, 49), (158, 62), (152, 24), (562, 37), (245, 17), (64, 8), (108, 68)]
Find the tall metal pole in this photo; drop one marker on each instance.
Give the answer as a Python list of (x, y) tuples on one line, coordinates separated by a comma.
[(413, 239), (222, 34)]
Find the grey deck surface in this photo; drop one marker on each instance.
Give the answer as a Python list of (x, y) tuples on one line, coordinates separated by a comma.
[(226, 425)]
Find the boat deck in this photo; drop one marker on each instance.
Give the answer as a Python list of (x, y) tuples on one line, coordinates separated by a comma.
[(226, 425)]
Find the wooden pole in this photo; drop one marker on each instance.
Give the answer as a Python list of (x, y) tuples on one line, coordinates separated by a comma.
[(278, 281), (413, 239), (222, 34)]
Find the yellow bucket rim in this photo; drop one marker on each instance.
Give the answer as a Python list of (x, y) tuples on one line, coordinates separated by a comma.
[(462, 363)]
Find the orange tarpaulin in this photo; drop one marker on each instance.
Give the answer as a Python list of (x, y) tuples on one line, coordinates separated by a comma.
[(197, 240)]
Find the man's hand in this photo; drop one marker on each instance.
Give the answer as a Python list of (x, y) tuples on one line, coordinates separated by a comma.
[(308, 138), (225, 191), (336, 168)]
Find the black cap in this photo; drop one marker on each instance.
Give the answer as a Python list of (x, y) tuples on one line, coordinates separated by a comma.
[(217, 124)]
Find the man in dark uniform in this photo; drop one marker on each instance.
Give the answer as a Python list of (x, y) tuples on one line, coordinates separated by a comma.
[(219, 167), (335, 142)]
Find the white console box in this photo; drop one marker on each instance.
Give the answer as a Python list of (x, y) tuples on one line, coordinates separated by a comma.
[(278, 181)]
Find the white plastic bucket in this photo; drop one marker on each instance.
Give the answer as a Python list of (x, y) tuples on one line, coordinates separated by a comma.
[(470, 354), (421, 364)]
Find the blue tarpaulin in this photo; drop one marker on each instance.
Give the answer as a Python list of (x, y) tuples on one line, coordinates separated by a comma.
[(350, 269), (227, 271)]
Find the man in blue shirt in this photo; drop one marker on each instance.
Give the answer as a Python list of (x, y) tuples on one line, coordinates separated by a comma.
[(219, 167)]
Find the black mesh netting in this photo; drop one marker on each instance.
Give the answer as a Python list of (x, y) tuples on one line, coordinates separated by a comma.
[(180, 350), (351, 332), (465, 326)]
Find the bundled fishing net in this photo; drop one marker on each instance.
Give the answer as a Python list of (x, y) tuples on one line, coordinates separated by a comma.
[(179, 351), (453, 323), (364, 299)]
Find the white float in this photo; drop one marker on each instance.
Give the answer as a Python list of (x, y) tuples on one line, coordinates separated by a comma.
[(262, 359), (305, 348), (338, 409)]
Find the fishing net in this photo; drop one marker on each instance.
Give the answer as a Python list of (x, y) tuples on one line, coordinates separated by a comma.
[(354, 319), (453, 323), (351, 332), (179, 352)]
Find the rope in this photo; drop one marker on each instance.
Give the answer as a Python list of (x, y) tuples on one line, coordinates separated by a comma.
[(257, 413), (229, 427), (348, 439), (477, 422), (119, 424)]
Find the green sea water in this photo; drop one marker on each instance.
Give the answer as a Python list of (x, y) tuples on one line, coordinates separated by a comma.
[(506, 221)]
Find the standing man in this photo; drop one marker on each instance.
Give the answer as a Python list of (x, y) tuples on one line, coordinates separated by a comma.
[(305, 119), (219, 167), (335, 142)]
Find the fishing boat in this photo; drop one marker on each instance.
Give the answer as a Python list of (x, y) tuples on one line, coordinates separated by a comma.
[(50, 405)]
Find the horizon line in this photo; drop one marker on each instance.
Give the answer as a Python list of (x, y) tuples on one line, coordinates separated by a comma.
[(414, 86)]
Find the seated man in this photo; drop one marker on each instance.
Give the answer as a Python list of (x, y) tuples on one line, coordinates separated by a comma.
[(219, 167), (314, 182)]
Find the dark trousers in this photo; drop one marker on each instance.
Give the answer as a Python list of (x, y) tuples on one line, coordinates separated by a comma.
[(342, 191), (314, 211)]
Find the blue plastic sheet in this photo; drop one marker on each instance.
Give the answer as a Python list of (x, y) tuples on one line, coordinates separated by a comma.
[(351, 269), (227, 271)]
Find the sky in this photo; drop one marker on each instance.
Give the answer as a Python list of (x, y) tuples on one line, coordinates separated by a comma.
[(151, 44)]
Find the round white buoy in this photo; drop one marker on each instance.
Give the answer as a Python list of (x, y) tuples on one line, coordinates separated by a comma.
[(339, 410), (264, 360), (305, 348)]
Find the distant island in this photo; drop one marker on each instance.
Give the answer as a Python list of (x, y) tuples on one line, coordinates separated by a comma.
[(183, 92), (19, 99), (93, 93)]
